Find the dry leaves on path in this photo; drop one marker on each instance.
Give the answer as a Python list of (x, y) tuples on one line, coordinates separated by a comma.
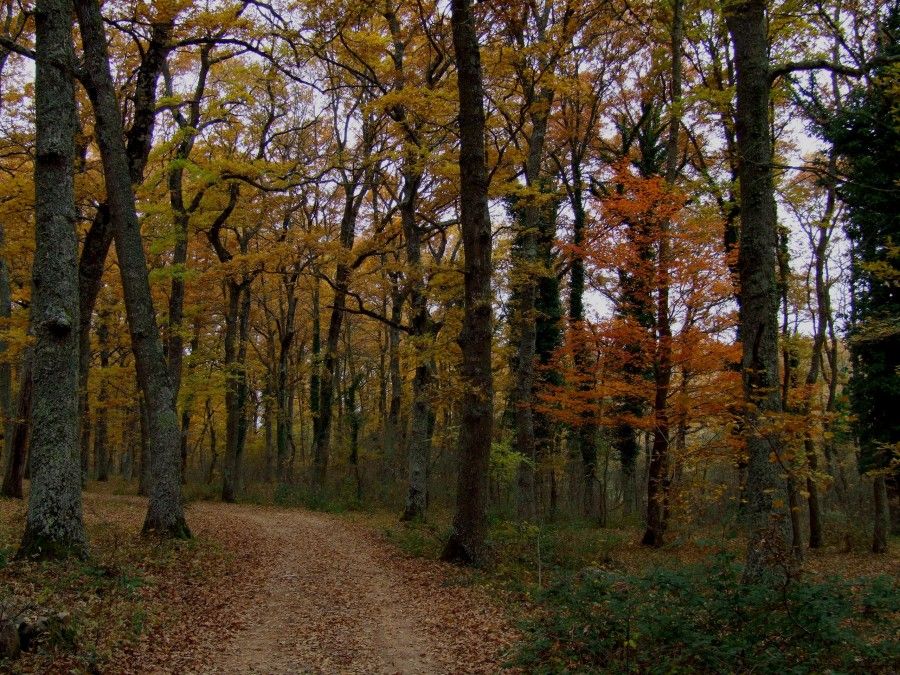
[(264, 590)]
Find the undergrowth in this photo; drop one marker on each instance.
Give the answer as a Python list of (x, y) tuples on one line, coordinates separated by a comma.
[(127, 590), (592, 600), (701, 618)]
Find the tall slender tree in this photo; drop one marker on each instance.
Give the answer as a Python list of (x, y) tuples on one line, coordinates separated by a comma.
[(766, 498), (467, 538), (165, 514), (866, 134)]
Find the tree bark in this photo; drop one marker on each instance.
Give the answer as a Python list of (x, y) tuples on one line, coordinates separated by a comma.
[(6, 402), (393, 427), (586, 432), (99, 236), (189, 127), (525, 316), (237, 321), (283, 386), (54, 526), (660, 470), (423, 330), (768, 519), (101, 440), (882, 515), (165, 513), (322, 440), (16, 440), (466, 543)]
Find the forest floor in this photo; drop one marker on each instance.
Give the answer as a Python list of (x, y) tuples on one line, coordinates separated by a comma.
[(259, 589)]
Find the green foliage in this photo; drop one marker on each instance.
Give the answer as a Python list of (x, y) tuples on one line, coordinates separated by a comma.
[(522, 548), (315, 500), (866, 136), (702, 618), (6, 554), (422, 540), (504, 462)]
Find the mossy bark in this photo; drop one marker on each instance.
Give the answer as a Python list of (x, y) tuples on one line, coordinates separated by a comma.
[(766, 497), (54, 527)]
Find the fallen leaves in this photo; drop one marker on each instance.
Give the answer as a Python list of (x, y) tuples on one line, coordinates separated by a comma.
[(257, 590)]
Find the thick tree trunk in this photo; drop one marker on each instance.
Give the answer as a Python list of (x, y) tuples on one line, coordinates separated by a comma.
[(768, 519), (467, 537), (53, 526), (165, 514), (99, 236)]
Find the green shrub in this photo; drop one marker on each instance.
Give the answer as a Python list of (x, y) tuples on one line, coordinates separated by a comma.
[(6, 554), (293, 496), (703, 619)]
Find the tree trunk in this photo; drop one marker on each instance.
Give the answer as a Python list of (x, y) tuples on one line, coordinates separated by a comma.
[(392, 428), (99, 236), (165, 513), (54, 526), (16, 440), (882, 515), (6, 401), (768, 519), (101, 449), (422, 330), (189, 127), (145, 465), (586, 432), (213, 450), (283, 385), (236, 334), (823, 317), (660, 470), (466, 543), (185, 427), (526, 287), (328, 383), (5, 368), (315, 375)]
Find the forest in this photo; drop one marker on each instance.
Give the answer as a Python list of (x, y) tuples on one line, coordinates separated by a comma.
[(449, 336)]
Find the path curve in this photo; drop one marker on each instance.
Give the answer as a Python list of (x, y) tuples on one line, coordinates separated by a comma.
[(332, 597)]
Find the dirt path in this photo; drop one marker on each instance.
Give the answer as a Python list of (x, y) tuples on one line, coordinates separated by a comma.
[(331, 597)]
